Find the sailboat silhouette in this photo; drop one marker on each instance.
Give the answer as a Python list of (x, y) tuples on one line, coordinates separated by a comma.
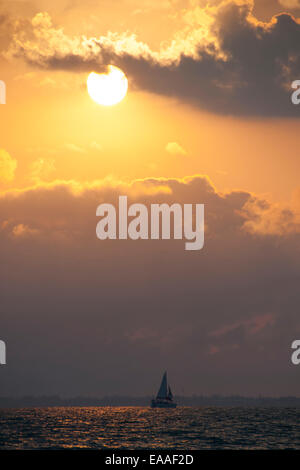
[(164, 397)]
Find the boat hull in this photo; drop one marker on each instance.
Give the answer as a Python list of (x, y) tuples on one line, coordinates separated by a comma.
[(163, 404)]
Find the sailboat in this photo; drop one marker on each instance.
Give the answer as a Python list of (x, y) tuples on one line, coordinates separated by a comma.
[(164, 397)]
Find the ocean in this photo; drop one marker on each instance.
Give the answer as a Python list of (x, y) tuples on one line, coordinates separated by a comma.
[(145, 428)]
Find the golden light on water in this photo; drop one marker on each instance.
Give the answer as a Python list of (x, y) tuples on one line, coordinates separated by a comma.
[(108, 88)]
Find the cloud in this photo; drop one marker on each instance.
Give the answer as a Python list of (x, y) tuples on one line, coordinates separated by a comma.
[(96, 146), (42, 168), (175, 149), (224, 60), (252, 325), (75, 148), (266, 218), (243, 212), (25, 76), (21, 230), (8, 166), (48, 81), (6, 31), (106, 300)]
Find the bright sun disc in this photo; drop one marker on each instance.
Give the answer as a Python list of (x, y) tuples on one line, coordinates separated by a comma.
[(107, 88)]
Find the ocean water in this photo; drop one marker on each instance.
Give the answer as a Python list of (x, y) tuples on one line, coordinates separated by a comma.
[(144, 428)]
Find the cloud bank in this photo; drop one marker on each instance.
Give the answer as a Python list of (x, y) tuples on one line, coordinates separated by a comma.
[(73, 304)]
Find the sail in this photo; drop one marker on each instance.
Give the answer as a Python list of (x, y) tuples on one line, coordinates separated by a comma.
[(170, 394), (163, 389)]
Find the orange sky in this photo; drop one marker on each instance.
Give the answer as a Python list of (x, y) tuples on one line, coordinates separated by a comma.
[(207, 119), (53, 129)]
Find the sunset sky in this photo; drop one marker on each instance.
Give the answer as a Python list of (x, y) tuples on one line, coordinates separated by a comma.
[(208, 118)]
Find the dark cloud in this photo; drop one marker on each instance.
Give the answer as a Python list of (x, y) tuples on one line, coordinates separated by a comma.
[(84, 316), (246, 70), (6, 31), (260, 63)]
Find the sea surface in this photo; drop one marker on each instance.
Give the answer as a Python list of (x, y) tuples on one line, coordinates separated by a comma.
[(144, 428)]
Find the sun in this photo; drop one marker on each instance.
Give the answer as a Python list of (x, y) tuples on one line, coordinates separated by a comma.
[(108, 88)]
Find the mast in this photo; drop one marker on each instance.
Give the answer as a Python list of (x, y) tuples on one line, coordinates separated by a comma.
[(170, 394)]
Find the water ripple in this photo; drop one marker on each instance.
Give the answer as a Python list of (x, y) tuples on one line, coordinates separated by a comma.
[(144, 428)]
